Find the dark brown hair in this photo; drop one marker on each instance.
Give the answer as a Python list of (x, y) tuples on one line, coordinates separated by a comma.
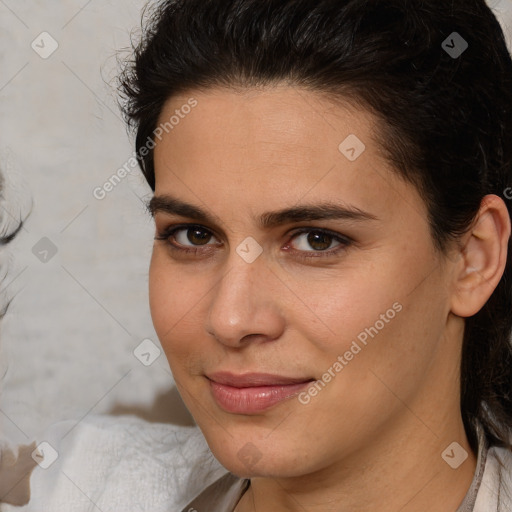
[(9, 229)]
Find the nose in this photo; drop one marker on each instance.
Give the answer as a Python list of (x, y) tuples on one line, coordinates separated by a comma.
[(245, 304)]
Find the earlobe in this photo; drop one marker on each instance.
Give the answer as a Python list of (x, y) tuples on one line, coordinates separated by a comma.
[(483, 257)]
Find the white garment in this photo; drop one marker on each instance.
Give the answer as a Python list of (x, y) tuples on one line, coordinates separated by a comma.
[(120, 464), (110, 464)]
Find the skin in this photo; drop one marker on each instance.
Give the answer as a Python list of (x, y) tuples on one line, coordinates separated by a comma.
[(372, 438)]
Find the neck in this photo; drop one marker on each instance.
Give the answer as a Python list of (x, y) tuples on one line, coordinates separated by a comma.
[(405, 473), (401, 468)]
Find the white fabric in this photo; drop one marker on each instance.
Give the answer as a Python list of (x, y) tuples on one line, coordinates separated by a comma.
[(495, 492), (109, 464)]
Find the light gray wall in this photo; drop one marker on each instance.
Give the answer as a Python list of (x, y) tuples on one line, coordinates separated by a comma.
[(75, 320)]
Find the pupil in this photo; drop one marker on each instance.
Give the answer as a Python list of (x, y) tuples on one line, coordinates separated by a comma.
[(194, 236), (319, 241)]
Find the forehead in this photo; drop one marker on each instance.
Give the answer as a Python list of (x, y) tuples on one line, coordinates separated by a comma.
[(276, 144), (288, 118)]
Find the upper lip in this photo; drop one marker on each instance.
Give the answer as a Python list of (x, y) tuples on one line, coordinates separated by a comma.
[(248, 380)]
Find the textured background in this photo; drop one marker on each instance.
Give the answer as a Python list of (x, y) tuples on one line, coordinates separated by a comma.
[(76, 318), (67, 342)]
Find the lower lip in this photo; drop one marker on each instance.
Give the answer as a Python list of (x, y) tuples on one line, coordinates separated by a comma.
[(253, 400)]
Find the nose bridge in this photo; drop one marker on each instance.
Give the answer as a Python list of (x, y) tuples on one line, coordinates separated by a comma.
[(242, 302)]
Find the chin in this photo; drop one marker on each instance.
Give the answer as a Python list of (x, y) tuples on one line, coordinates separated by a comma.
[(246, 457)]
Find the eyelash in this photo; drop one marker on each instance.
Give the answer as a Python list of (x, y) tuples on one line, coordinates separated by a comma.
[(344, 241)]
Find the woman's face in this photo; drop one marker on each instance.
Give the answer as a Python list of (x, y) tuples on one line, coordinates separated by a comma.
[(313, 262)]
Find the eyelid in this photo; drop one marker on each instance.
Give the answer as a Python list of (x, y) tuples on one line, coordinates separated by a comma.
[(344, 241), (170, 231), (312, 229)]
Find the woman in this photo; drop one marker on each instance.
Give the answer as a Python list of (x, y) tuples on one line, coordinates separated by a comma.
[(330, 279)]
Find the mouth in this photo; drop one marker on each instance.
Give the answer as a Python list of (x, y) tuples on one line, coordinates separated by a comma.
[(248, 380), (251, 393)]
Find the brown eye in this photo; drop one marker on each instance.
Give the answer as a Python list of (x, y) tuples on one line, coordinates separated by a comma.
[(198, 236), (314, 240), (185, 237), (319, 241)]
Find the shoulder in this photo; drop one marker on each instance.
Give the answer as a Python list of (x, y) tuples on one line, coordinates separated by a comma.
[(119, 463), (221, 495), (495, 492)]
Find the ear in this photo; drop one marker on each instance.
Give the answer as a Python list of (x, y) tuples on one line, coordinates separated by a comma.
[(483, 257)]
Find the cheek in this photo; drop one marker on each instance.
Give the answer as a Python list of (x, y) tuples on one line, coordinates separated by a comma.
[(334, 309), (159, 296), (177, 298), (380, 316), (172, 296)]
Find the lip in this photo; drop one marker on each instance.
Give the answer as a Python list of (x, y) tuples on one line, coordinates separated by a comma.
[(253, 392), (248, 380)]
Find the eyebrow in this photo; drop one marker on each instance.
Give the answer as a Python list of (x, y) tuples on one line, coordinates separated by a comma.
[(308, 212)]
